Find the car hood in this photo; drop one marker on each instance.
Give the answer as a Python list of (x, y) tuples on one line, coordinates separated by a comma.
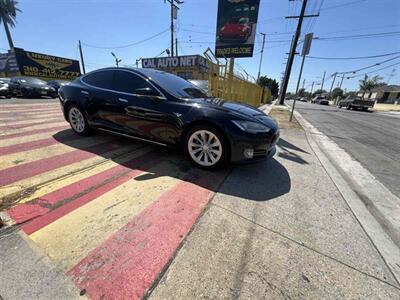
[(243, 110)]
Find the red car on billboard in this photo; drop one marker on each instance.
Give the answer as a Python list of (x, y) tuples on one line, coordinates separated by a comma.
[(236, 29)]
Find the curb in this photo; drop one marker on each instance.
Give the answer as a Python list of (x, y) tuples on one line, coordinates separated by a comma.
[(379, 237)]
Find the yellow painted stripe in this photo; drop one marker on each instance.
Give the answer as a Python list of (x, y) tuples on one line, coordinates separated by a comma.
[(31, 111), (66, 171), (33, 118), (85, 173), (24, 122), (29, 138), (33, 127), (46, 152), (72, 237)]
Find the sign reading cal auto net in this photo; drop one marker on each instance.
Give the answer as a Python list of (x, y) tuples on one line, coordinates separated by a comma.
[(236, 28), (46, 66), (186, 61)]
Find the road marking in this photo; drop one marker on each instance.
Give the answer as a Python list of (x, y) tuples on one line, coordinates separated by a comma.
[(70, 238), (48, 208), (21, 133), (128, 262), (32, 151), (27, 113), (25, 187), (9, 131), (29, 123), (33, 106), (36, 117)]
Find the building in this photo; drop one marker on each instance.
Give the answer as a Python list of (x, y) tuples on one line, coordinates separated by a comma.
[(389, 94)]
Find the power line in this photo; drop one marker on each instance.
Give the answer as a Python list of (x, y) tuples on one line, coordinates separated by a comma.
[(356, 57), (129, 45), (371, 66), (374, 71)]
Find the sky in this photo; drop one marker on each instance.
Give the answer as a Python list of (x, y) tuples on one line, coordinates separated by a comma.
[(140, 28)]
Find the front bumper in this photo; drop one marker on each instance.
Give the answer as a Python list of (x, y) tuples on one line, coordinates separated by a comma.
[(262, 146)]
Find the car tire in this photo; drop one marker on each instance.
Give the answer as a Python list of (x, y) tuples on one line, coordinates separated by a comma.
[(78, 121), (348, 107), (206, 147)]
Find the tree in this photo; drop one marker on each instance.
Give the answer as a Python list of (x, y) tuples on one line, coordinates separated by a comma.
[(337, 92), (318, 92), (368, 84), (270, 83), (8, 15)]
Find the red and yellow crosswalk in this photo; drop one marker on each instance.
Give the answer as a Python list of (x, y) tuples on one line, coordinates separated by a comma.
[(108, 211)]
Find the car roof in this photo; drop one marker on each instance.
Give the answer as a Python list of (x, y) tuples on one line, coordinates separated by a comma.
[(147, 72)]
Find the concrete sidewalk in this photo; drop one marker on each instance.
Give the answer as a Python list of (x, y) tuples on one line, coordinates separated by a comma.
[(289, 234)]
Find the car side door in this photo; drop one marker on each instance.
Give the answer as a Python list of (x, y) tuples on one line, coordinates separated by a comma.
[(98, 99), (143, 110)]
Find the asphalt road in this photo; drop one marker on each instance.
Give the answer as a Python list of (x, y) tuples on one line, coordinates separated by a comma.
[(373, 139)]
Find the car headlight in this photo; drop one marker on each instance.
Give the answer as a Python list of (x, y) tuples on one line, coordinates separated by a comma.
[(252, 127), (4, 87)]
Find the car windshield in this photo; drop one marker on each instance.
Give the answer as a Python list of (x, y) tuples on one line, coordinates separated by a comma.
[(175, 85), (33, 81)]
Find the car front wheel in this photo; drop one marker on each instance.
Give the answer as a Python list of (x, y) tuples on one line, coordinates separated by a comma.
[(206, 147), (77, 120)]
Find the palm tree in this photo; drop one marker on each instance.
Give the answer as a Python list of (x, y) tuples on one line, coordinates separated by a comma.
[(8, 14), (368, 84)]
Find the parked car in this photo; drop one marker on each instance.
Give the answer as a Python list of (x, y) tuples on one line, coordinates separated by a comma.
[(164, 109), (303, 99), (320, 100), (354, 102), (5, 88), (28, 87), (236, 29), (56, 84)]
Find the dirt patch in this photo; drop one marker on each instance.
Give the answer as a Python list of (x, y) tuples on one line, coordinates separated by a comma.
[(282, 115)]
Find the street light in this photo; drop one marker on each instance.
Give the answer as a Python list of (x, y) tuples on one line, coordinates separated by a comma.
[(117, 60)]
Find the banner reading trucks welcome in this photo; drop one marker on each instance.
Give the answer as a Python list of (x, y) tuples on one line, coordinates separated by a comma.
[(236, 28), (46, 66)]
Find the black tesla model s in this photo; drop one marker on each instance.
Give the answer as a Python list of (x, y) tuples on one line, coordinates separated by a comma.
[(164, 109)]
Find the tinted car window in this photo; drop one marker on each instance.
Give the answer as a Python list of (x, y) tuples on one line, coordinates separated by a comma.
[(128, 82), (101, 79), (175, 85)]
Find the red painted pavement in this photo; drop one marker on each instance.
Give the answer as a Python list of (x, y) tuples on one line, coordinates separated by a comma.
[(34, 131), (64, 137), (126, 265), (19, 172), (47, 209), (18, 126)]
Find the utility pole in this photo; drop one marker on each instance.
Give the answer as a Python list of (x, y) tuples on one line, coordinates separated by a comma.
[(304, 82), (117, 60), (341, 82), (262, 52), (333, 82), (176, 46), (82, 61), (174, 12), (312, 87), (323, 80), (293, 50)]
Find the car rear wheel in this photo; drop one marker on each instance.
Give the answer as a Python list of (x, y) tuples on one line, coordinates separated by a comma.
[(348, 107), (77, 120), (206, 147)]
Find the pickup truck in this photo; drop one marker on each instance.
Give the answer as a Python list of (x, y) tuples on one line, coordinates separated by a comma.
[(356, 103)]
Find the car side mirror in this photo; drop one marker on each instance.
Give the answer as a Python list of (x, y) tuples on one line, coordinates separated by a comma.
[(147, 92)]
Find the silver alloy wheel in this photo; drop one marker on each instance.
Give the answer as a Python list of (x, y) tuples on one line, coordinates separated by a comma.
[(204, 148), (76, 120)]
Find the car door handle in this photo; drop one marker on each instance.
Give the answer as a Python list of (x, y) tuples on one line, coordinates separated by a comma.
[(123, 100), (85, 92)]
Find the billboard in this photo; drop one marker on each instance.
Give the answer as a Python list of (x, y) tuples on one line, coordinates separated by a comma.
[(236, 28), (46, 66)]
